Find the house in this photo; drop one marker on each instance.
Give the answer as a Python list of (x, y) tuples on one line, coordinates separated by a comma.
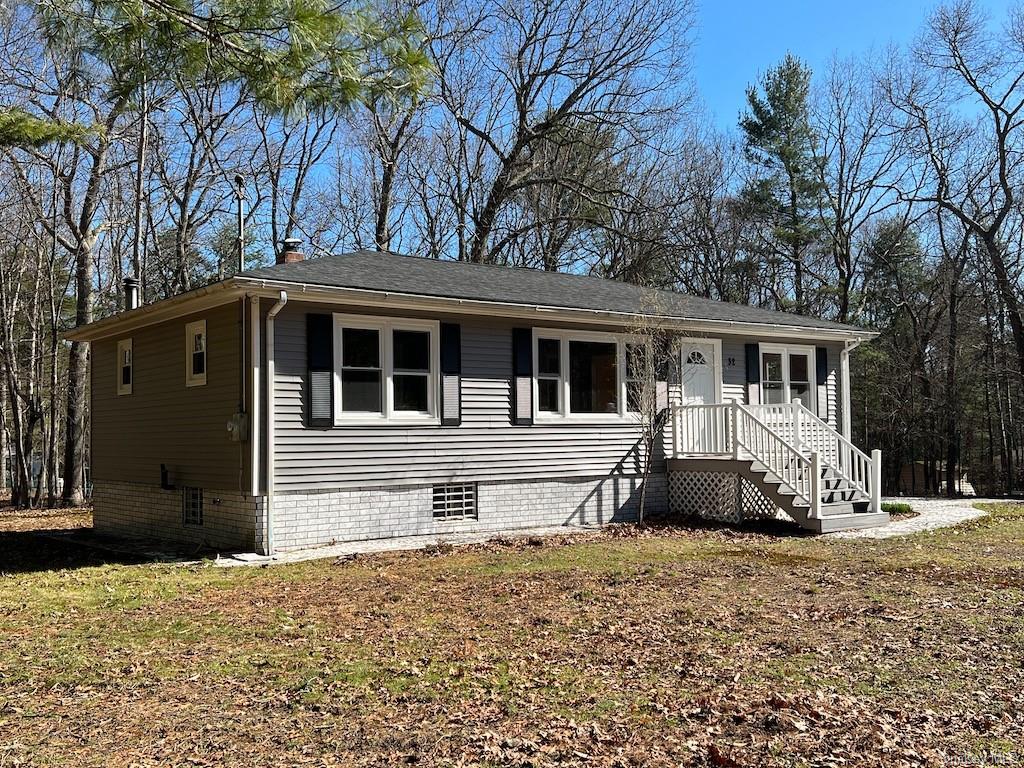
[(373, 395)]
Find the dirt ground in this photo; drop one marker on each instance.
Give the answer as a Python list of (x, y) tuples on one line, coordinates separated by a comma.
[(663, 647)]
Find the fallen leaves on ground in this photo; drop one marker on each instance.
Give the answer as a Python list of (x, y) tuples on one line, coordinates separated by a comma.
[(660, 646)]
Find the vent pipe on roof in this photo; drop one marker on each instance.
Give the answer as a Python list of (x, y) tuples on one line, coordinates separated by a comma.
[(239, 199), (131, 293), (290, 251)]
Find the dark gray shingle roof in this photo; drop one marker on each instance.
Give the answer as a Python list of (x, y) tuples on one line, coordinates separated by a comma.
[(419, 276)]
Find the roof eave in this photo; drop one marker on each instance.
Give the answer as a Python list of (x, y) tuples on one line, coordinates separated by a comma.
[(194, 301), (397, 299), (234, 287)]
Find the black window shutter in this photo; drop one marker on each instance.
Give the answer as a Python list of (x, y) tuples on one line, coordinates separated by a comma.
[(821, 376), (320, 365), (753, 360), (451, 374), (821, 364), (522, 376)]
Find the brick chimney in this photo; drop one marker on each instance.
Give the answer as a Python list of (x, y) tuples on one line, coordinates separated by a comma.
[(290, 251)]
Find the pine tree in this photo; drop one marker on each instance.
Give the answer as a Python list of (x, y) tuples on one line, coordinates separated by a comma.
[(19, 128), (786, 192)]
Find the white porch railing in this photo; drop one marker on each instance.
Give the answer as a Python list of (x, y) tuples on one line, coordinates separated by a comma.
[(787, 438)]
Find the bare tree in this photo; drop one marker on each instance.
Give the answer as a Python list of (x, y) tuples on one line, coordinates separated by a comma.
[(858, 158), (969, 167), (515, 75)]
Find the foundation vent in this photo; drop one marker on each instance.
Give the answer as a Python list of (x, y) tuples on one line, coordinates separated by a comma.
[(192, 506), (455, 501)]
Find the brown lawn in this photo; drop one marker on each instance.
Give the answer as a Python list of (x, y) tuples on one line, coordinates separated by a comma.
[(661, 648)]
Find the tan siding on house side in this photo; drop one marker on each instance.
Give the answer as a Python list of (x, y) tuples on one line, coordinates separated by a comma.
[(163, 421)]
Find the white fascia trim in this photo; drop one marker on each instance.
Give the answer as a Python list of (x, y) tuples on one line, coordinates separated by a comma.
[(185, 304), (398, 300), (228, 290)]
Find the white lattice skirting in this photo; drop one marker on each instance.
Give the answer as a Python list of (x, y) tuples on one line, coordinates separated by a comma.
[(723, 496)]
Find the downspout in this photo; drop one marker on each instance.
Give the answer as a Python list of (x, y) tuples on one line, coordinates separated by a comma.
[(256, 415), (278, 306), (844, 368)]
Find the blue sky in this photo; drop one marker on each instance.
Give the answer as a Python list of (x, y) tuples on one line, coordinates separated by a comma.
[(737, 40)]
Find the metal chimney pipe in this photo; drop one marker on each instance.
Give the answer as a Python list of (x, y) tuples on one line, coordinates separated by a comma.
[(131, 293), (240, 197)]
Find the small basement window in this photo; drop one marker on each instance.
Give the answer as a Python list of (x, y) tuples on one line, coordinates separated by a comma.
[(195, 354), (192, 506), (124, 367), (455, 501)]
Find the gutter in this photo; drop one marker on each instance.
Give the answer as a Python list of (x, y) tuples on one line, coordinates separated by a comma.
[(313, 292), (184, 303), (268, 543), (224, 291)]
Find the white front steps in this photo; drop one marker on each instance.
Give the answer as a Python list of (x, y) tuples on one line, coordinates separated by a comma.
[(842, 508)]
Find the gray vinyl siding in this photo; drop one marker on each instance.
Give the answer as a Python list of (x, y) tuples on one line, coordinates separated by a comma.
[(734, 371), (486, 446), (162, 421)]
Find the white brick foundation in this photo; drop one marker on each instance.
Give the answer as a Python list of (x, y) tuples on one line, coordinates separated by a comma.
[(134, 509), (315, 518), (235, 521)]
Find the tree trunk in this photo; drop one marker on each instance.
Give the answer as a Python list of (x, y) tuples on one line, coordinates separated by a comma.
[(952, 399), (78, 369), (1008, 293)]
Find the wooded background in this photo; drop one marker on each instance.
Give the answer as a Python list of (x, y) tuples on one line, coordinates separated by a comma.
[(554, 134)]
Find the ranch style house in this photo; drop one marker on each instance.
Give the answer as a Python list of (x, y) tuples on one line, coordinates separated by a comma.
[(372, 395)]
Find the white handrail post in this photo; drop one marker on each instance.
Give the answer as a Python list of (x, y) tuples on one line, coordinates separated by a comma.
[(876, 480), (734, 413), (676, 445), (794, 408), (815, 485)]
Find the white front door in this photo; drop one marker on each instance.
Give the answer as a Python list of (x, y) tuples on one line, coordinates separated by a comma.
[(699, 383), (698, 378)]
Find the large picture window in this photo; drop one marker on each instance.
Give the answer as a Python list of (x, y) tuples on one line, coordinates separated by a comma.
[(386, 370), (593, 377), (583, 375), (787, 374)]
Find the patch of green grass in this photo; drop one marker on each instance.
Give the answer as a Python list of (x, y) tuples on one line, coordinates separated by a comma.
[(897, 508)]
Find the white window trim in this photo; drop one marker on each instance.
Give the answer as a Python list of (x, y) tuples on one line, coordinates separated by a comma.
[(682, 341), (123, 344), (385, 326), (636, 341), (197, 326), (564, 415), (812, 371)]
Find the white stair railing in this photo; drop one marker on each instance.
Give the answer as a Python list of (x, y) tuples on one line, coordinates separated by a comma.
[(802, 474), (811, 433), (733, 430)]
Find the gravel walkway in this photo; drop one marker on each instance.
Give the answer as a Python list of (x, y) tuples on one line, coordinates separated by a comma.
[(932, 514)]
